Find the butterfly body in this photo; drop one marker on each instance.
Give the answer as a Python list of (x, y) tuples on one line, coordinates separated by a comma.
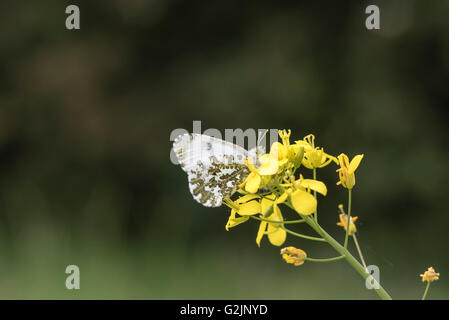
[(215, 168)]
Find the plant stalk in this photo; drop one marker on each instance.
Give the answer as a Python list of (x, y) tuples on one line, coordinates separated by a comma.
[(349, 258)]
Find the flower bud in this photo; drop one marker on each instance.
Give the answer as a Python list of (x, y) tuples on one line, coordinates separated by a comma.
[(293, 255)]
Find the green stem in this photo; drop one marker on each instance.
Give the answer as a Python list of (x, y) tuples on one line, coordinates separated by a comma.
[(325, 260), (303, 236), (349, 258), (358, 249), (275, 221), (349, 219), (314, 194), (425, 292), (344, 252)]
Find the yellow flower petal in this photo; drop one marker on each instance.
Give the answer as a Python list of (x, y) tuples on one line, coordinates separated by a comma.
[(269, 165), (266, 203), (303, 202), (282, 163), (332, 158), (246, 198), (261, 232), (293, 150), (282, 198), (304, 144), (355, 163), (306, 163), (231, 217), (233, 221), (279, 151), (343, 160), (311, 184), (276, 235), (249, 208), (252, 182)]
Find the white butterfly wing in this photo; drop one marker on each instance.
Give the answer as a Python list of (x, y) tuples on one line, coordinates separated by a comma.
[(214, 167), (191, 148)]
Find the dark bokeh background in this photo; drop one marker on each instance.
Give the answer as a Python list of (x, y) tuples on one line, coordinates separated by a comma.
[(85, 120)]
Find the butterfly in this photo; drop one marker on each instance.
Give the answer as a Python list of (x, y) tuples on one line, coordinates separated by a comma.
[(215, 168)]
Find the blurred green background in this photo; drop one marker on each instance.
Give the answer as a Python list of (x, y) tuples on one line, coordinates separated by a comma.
[(86, 116)]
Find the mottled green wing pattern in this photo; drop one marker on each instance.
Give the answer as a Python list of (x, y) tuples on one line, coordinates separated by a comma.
[(210, 185)]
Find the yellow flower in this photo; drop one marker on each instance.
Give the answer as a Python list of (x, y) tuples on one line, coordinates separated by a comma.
[(276, 235), (430, 275), (269, 165), (344, 223), (233, 221), (293, 255), (244, 206), (280, 152), (282, 156), (286, 152), (302, 201), (347, 169), (314, 157), (260, 176), (311, 184)]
